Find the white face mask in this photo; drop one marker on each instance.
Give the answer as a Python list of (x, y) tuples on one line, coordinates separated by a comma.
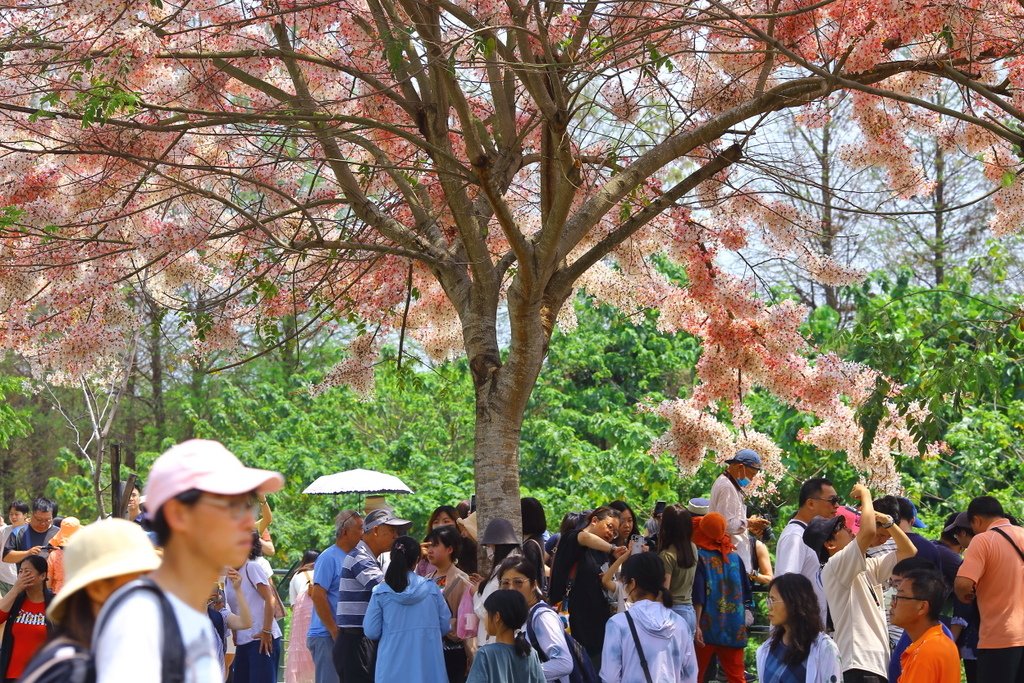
[(489, 552)]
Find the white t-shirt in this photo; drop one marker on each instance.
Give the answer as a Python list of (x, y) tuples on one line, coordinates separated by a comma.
[(8, 570), (300, 582), (793, 556), (252, 576), (853, 587), (129, 648)]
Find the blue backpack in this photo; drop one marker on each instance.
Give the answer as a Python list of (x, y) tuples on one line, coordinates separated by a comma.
[(582, 667)]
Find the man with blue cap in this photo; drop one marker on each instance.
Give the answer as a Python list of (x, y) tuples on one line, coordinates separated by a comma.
[(727, 499)]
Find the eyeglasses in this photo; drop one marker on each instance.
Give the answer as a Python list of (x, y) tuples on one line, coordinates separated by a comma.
[(237, 508), (509, 583), (834, 501), (896, 598), (769, 601)]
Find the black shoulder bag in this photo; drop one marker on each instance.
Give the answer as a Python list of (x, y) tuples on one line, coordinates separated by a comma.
[(1010, 541), (639, 649)]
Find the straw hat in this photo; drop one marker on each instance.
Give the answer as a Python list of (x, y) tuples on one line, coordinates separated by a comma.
[(103, 550), (468, 525)]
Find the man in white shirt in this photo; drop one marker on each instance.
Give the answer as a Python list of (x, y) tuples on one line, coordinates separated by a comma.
[(792, 556), (727, 499), (853, 586), (203, 503)]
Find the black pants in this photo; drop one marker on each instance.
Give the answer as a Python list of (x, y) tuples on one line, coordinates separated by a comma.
[(971, 670), (354, 656), (455, 661), (1001, 665), (861, 676)]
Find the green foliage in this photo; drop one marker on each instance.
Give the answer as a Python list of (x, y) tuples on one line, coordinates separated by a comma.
[(948, 347), (584, 442), (13, 422)]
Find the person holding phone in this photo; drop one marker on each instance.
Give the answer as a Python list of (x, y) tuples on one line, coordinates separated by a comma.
[(258, 648)]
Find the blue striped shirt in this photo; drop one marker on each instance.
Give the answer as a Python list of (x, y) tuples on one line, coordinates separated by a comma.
[(359, 574)]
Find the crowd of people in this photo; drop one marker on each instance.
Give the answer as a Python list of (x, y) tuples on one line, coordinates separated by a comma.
[(182, 591)]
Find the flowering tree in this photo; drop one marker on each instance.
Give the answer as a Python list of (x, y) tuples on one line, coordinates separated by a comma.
[(454, 167)]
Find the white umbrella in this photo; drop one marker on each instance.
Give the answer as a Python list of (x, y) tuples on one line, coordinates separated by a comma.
[(358, 481)]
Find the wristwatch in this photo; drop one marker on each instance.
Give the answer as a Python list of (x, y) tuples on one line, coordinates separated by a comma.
[(886, 525)]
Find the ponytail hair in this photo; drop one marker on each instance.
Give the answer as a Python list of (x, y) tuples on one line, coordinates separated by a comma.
[(405, 552), (648, 571), (510, 606)]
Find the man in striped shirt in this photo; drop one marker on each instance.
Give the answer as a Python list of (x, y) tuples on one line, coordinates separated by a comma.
[(360, 572)]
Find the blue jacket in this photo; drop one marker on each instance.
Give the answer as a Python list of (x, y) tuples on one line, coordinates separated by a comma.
[(409, 626)]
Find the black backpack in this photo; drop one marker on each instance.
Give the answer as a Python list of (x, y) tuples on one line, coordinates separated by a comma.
[(582, 667), (65, 662)]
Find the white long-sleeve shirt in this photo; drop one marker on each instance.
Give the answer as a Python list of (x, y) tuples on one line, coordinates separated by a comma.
[(550, 634), (727, 500)]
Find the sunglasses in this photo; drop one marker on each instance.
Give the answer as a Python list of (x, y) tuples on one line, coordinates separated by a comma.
[(834, 500)]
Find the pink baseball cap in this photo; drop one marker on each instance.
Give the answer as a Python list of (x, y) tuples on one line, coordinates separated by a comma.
[(851, 516), (207, 466)]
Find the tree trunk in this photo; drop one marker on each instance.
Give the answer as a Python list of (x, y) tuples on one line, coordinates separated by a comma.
[(502, 393), (156, 373)]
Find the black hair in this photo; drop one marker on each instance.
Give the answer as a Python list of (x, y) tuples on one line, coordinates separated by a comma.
[(812, 488), (160, 526), (449, 537), (803, 616), (985, 506), (601, 513), (906, 509), (78, 621), (911, 564), (648, 571), (38, 563), (535, 522), (677, 532), (442, 510), (405, 552), (510, 606), (930, 587), (623, 506), (463, 509), (309, 557), (257, 547), (467, 555), (44, 505), (20, 505), (889, 505), (572, 521)]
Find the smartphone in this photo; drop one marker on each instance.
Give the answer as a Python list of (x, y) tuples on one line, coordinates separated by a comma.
[(472, 503), (638, 543)]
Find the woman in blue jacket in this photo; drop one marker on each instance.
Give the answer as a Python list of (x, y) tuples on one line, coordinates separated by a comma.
[(408, 615)]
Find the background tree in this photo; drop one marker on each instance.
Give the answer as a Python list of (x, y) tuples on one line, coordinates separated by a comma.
[(433, 167)]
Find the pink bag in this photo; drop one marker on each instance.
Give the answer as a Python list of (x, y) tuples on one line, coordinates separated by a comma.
[(466, 624)]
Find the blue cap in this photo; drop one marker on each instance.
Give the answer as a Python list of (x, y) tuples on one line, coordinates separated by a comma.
[(746, 457), (918, 524)]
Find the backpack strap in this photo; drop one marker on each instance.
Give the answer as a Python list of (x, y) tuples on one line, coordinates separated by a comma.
[(531, 632), (172, 660), (639, 649), (1010, 541)]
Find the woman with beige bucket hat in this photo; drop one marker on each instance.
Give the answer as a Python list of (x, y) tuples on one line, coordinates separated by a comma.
[(101, 558)]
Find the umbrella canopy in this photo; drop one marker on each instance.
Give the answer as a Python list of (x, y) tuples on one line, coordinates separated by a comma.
[(358, 481)]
